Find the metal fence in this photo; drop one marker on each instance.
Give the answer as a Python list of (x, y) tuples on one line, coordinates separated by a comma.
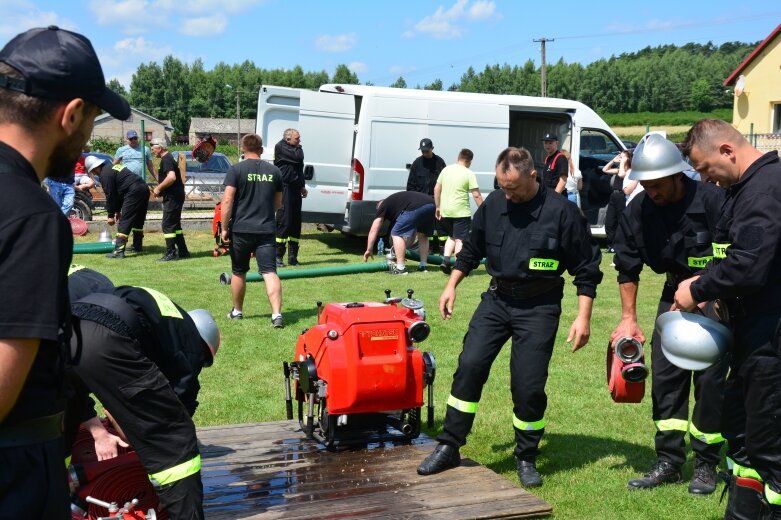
[(765, 142)]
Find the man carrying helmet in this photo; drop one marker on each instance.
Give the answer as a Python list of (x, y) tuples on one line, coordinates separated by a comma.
[(127, 199), (746, 276), (669, 227), (141, 354)]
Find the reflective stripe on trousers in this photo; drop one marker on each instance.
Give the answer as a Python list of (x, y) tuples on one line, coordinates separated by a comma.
[(178, 472), (462, 406)]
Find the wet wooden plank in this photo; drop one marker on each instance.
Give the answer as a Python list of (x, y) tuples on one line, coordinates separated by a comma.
[(269, 471)]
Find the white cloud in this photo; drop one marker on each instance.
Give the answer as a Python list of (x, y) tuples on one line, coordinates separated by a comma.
[(336, 43), (358, 67), (446, 24), (20, 15), (198, 17), (205, 26), (482, 10)]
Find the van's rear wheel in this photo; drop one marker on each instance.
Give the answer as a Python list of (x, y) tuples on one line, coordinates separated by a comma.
[(81, 210)]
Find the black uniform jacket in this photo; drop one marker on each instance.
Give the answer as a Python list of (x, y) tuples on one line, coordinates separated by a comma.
[(118, 182), (675, 239), (423, 174), (533, 240), (290, 161), (747, 242)]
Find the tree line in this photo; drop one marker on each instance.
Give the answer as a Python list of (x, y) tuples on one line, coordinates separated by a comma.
[(666, 78)]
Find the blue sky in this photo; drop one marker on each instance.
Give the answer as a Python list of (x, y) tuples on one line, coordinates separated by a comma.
[(379, 41)]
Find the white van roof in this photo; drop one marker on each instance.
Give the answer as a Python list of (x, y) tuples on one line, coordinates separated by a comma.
[(586, 116)]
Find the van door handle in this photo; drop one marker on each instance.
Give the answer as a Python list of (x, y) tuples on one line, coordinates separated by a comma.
[(309, 172), (409, 166)]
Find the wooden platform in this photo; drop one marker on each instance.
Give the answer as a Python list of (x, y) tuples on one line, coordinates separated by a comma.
[(269, 471)]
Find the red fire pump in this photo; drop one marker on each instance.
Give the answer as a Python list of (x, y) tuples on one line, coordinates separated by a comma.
[(358, 372), (626, 370)]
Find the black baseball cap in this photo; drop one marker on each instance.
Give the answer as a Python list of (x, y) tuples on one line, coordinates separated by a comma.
[(62, 65), (426, 144), (550, 137)]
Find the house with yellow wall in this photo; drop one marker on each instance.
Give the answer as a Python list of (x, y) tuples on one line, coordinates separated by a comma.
[(757, 84)]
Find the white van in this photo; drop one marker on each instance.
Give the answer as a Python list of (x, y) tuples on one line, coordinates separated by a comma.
[(359, 141)]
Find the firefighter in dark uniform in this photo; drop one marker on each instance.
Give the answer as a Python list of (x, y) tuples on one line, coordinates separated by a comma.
[(171, 187), (51, 89), (289, 158), (423, 175), (746, 277), (669, 227), (556, 167), (141, 355), (529, 236), (127, 199)]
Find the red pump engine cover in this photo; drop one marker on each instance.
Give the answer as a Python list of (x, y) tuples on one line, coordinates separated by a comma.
[(363, 353), (621, 391)]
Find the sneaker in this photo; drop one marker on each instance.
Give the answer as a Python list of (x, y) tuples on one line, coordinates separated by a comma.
[(422, 269), (235, 315), (280, 263), (443, 457), (397, 270), (278, 322), (528, 474), (445, 268), (116, 254), (662, 472), (703, 479)]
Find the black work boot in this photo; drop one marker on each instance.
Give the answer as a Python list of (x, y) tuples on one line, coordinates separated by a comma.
[(662, 472), (119, 248), (746, 498), (292, 253), (181, 245), (528, 474), (703, 479), (170, 255), (443, 457), (138, 242), (280, 255)]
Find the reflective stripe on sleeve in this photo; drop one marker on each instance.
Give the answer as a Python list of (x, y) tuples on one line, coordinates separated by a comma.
[(744, 471), (720, 250), (698, 262), (528, 426), (178, 472), (666, 425), (164, 303), (772, 497), (462, 406), (707, 438)]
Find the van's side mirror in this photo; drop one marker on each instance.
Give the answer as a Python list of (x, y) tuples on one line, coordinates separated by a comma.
[(309, 172)]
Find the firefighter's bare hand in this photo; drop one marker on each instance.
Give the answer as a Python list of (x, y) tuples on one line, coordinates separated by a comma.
[(106, 445), (627, 328), (367, 254), (580, 331), (225, 237), (446, 302), (683, 299), (110, 221), (304, 193)]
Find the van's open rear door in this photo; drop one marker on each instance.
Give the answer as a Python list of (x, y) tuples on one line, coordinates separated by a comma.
[(277, 110), (326, 123)]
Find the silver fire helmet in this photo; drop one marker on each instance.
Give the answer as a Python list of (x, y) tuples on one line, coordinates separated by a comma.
[(210, 333), (91, 162), (692, 341), (656, 157)]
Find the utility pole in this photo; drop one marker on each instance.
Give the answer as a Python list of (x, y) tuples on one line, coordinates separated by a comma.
[(544, 67), (238, 123)]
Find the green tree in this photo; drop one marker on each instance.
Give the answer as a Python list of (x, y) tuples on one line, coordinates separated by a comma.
[(345, 76), (700, 98), (435, 85), (399, 83), (117, 87)]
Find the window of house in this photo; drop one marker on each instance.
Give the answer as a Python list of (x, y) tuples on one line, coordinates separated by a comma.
[(776, 124)]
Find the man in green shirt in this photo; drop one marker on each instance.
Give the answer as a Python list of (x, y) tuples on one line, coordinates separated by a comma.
[(451, 195)]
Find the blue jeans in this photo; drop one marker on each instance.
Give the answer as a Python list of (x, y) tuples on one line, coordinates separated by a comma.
[(62, 193), (419, 220)]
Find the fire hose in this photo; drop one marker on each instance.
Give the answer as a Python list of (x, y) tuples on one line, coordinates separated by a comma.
[(626, 370)]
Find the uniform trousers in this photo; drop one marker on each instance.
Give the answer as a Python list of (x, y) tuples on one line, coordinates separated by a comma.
[(289, 214), (133, 213), (33, 483), (172, 214), (532, 325), (139, 397), (670, 388), (752, 404)]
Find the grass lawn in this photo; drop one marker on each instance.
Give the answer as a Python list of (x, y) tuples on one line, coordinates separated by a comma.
[(591, 447)]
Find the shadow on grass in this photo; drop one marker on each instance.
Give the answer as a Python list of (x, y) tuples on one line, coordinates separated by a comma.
[(340, 242), (564, 452)]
